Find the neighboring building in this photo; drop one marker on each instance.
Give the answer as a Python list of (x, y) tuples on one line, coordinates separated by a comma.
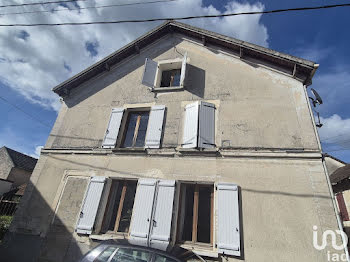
[(15, 166), (339, 174), (210, 144)]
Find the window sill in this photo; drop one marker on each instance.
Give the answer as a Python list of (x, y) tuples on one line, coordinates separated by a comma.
[(201, 249), (196, 151), (137, 150), (109, 236), (167, 89)]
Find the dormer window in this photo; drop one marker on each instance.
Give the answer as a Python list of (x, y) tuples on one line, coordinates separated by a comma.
[(165, 75)]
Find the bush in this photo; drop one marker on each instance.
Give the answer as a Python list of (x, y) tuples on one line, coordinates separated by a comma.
[(5, 222)]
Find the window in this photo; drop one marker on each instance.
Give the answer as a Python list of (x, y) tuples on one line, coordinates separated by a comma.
[(170, 78), (196, 213), (119, 206), (166, 74), (160, 258), (131, 255), (135, 129), (105, 255)]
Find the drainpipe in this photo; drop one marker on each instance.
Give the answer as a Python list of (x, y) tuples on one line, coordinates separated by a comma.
[(340, 224)]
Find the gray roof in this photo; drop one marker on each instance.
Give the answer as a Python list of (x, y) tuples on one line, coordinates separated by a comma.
[(21, 160), (300, 69)]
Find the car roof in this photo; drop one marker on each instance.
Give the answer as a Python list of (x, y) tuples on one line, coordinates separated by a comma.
[(177, 252)]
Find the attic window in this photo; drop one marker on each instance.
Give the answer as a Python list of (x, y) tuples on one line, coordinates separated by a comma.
[(170, 78), (165, 75)]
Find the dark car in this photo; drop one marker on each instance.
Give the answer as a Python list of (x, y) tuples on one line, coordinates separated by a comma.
[(122, 251)]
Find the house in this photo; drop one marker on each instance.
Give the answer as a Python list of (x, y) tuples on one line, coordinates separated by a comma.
[(339, 174), (183, 137), (15, 169)]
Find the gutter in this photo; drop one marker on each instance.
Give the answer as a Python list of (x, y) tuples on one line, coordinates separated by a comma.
[(308, 81)]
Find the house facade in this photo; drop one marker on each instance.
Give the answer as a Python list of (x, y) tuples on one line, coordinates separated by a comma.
[(15, 169), (183, 137)]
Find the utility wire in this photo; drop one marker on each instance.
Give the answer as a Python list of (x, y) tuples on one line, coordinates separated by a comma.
[(182, 18), (44, 3), (88, 7), (20, 109)]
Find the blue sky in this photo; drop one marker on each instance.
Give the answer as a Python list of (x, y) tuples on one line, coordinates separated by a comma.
[(33, 60)]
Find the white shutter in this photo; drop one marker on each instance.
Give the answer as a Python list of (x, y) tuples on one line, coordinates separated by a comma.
[(206, 125), (113, 128), (191, 126), (90, 205), (183, 71), (149, 74), (142, 212), (163, 213), (228, 234), (155, 127)]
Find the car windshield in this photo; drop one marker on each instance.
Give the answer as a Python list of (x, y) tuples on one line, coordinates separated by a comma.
[(160, 258), (104, 256), (131, 255)]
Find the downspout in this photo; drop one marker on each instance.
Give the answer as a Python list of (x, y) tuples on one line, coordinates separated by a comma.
[(339, 221), (340, 224)]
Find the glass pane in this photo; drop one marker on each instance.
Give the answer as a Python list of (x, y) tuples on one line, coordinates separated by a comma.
[(112, 206), (160, 258), (141, 135), (176, 79), (188, 219), (104, 256), (130, 129), (131, 255), (204, 214), (127, 207), (171, 78)]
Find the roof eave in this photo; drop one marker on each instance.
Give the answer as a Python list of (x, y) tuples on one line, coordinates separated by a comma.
[(299, 68)]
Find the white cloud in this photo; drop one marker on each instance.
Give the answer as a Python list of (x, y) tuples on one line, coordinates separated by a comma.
[(37, 151), (335, 131), (333, 86), (35, 59), (313, 52)]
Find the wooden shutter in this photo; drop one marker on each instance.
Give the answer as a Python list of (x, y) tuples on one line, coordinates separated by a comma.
[(228, 234), (191, 126), (342, 207), (142, 212), (163, 213), (90, 205), (206, 125), (149, 74), (183, 71), (113, 128), (155, 127)]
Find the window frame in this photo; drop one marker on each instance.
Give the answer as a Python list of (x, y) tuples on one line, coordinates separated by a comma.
[(120, 207), (166, 65), (123, 127), (194, 237)]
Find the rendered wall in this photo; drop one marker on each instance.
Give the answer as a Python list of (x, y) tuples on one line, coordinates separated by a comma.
[(261, 116), (258, 107)]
